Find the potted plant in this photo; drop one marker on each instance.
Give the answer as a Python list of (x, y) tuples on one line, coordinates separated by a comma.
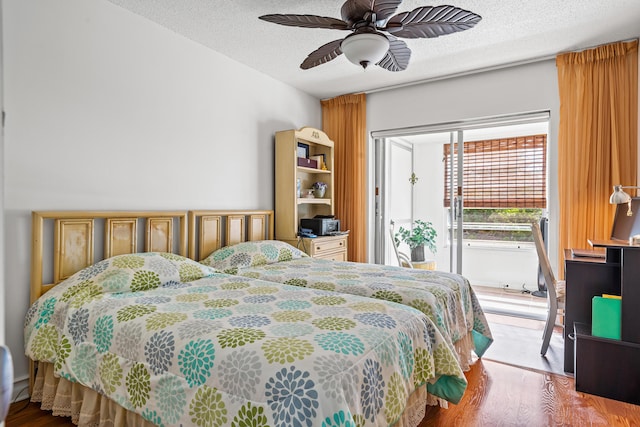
[(319, 188), (421, 234)]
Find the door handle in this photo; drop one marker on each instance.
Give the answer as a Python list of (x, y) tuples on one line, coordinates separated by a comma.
[(455, 208)]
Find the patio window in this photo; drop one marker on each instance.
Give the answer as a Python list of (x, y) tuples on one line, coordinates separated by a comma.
[(504, 186)]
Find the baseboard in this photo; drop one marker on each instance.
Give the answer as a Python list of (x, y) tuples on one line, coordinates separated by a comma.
[(20, 389)]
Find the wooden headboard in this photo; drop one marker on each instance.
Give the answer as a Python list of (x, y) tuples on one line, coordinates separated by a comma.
[(211, 229), (66, 242)]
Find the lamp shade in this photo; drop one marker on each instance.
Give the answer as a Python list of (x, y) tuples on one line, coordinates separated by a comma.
[(619, 196), (365, 48)]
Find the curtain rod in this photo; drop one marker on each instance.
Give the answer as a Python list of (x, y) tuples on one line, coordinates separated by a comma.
[(484, 69)]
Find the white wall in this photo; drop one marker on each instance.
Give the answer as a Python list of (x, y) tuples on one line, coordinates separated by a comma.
[(2, 288), (524, 88), (106, 110)]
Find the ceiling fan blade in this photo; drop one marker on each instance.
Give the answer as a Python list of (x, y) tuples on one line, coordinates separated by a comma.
[(397, 57), (322, 55), (431, 21), (356, 10), (306, 21)]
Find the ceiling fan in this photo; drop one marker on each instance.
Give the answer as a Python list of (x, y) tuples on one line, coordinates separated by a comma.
[(366, 19)]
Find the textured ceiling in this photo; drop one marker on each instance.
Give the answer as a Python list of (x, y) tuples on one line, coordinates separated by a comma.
[(510, 32)]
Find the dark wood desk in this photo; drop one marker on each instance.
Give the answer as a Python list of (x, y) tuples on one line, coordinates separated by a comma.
[(602, 366)]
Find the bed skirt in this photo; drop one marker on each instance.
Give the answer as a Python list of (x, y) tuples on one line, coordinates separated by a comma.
[(464, 348), (87, 407)]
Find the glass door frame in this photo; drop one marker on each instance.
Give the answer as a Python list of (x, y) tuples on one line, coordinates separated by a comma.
[(456, 208)]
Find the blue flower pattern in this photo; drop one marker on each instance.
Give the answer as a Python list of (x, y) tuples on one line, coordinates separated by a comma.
[(341, 342), (379, 320), (93, 270), (292, 397), (249, 321), (79, 325), (372, 392), (158, 351)]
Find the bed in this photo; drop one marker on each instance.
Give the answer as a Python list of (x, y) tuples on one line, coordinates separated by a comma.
[(135, 333), (446, 298)]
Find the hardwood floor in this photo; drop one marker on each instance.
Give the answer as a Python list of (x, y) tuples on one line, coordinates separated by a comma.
[(30, 414), (497, 395), (500, 394)]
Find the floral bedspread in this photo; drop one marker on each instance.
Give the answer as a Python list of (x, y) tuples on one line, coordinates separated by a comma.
[(181, 344), (446, 298)]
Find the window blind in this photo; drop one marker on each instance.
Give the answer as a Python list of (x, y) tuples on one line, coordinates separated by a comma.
[(502, 173)]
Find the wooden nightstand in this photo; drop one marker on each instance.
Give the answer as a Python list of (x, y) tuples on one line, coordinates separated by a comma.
[(333, 248)]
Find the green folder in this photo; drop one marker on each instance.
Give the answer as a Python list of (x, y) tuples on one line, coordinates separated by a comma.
[(606, 317)]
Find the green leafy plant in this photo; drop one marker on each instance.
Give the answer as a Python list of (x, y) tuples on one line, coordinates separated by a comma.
[(422, 233)]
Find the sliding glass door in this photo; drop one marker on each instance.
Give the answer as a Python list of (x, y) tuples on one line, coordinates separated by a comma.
[(480, 183)]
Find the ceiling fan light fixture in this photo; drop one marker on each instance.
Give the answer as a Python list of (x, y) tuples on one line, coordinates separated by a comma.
[(365, 48)]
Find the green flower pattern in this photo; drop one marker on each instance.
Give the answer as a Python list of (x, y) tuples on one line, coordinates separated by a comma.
[(159, 321), (134, 311), (64, 350), (388, 295), (424, 366), (85, 295), (286, 350), (368, 306), (250, 416), (334, 323), (325, 286), (221, 302), (296, 282), (329, 300), (45, 343), (234, 285), (238, 337), (144, 280), (191, 297), (110, 373), (190, 272), (395, 399), (139, 385), (128, 261), (195, 352), (291, 316), (207, 408)]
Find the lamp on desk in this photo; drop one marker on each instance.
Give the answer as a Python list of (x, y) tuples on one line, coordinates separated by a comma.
[(619, 196)]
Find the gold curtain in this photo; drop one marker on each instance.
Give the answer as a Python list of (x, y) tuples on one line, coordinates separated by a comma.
[(344, 120), (597, 137)]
